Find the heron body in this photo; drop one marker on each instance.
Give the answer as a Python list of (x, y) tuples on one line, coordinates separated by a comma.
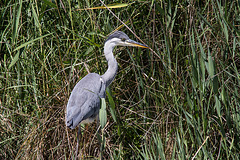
[(84, 102)]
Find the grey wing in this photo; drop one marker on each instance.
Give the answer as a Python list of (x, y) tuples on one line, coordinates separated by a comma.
[(84, 101)]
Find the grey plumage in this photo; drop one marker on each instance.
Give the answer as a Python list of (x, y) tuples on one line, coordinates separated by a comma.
[(84, 102), (117, 34)]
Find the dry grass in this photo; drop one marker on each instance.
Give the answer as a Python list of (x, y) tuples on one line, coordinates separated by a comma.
[(178, 101)]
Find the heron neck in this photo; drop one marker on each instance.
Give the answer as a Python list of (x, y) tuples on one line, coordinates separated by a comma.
[(111, 72)]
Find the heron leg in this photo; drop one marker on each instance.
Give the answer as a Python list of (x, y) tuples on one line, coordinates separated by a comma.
[(78, 136)]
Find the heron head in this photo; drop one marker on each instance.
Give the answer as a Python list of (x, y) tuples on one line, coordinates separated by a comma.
[(119, 38)]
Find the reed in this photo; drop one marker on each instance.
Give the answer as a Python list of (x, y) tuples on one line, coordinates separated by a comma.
[(178, 101)]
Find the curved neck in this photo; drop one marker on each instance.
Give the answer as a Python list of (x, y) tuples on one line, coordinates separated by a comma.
[(111, 72)]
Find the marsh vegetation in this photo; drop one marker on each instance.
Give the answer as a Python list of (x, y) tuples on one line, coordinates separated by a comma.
[(179, 102)]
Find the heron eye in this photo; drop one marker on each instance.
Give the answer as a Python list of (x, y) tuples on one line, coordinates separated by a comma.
[(123, 39)]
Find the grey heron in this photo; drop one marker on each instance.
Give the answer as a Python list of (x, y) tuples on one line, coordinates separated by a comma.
[(84, 102)]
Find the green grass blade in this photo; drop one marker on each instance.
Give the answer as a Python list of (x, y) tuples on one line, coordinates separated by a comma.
[(14, 60), (112, 107), (16, 20), (49, 3), (103, 113), (31, 41)]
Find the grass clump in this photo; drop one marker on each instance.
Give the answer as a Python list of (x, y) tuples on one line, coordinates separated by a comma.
[(178, 101)]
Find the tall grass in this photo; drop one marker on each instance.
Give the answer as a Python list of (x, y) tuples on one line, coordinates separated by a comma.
[(178, 101)]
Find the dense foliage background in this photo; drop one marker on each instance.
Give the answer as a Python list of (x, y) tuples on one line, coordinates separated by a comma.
[(179, 101)]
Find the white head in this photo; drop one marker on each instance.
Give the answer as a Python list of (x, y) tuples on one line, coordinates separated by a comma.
[(119, 38)]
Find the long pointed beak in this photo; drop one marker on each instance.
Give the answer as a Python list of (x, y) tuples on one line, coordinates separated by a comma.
[(136, 44)]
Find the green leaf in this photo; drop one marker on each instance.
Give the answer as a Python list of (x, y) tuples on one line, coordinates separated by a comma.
[(35, 17), (218, 106), (16, 21), (212, 73), (210, 66), (112, 107), (103, 113), (201, 16), (15, 59), (48, 3), (27, 43)]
